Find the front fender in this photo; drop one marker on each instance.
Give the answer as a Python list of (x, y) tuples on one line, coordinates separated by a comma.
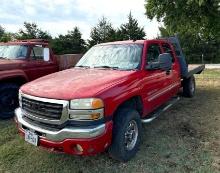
[(9, 74), (120, 93)]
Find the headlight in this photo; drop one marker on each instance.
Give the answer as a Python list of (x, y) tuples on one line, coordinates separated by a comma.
[(89, 103), (86, 109)]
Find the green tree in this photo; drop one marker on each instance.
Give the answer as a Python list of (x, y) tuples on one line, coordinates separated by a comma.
[(196, 21), (32, 31), (102, 32), (71, 43), (196, 16), (2, 31), (131, 30), (5, 36)]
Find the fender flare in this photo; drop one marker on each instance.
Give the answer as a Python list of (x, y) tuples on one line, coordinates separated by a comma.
[(10, 74)]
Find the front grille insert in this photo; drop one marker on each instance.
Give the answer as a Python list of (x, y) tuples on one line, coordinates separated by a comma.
[(51, 127), (44, 110)]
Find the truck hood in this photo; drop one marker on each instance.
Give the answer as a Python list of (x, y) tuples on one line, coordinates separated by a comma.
[(10, 64), (75, 83)]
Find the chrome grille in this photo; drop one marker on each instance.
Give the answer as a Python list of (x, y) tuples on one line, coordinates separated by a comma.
[(44, 110)]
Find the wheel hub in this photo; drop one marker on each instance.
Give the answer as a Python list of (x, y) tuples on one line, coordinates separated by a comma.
[(131, 135)]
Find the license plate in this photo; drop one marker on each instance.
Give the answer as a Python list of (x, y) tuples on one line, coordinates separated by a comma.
[(31, 137)]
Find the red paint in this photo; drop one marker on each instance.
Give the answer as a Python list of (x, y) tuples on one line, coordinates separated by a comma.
[(90, 146), (27, 69), (114, 87)]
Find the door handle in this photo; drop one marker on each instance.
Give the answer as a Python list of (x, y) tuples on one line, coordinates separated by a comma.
[(168, 72)]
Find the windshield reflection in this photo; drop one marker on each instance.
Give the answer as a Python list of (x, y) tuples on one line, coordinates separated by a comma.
[(115, 56), (13, 51)]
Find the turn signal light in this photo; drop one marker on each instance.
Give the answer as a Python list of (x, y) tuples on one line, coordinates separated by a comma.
[(95, 116), (97, 103), (79, 148)]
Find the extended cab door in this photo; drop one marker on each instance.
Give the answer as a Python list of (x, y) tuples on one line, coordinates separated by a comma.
[(154, 81), (40, 62), (173, 76)]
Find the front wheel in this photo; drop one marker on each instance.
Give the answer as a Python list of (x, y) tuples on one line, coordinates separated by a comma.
[(127, 131), (8, 100)]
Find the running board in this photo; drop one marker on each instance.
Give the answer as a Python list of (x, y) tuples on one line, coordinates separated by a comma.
[(160, 110)]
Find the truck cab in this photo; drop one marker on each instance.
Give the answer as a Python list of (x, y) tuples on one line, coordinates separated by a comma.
[(101, 103), (20, 62)]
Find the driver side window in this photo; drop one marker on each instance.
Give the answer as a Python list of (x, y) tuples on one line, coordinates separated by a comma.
[(37, 53), (153, 53)]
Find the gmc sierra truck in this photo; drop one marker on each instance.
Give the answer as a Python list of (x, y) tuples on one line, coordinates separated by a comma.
[(21, 62), (101, 103)]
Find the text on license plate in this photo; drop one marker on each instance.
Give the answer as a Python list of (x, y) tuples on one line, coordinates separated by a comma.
[(31, 137)]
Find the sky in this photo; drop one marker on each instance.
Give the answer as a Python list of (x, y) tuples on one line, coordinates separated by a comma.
[(59, 16)]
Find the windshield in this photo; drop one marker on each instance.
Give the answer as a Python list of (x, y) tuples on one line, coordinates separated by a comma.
[(13, 51), (120, 56)]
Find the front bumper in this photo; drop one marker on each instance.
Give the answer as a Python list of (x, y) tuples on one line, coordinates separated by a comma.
[(92, 140)]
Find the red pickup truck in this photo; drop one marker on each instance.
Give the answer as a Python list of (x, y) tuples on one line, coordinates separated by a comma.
[(21, 62), (102, 102)]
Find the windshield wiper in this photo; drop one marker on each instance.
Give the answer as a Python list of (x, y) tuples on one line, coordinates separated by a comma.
[(105, 66), (84, 66)]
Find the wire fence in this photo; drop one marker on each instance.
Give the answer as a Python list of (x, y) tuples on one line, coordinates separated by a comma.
[(209, 77), (202, 58)]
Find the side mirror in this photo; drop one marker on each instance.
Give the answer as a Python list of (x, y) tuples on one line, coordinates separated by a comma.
[(165, 61), (153, 66), (46, 54)]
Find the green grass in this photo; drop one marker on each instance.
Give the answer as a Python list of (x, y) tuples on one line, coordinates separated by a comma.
[(184, 139), (210, 73)]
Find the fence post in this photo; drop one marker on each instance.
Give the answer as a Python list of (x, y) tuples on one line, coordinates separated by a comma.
[(202, 59)]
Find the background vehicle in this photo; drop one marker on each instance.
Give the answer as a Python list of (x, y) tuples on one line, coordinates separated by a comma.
[(21, 62), (102, 102)]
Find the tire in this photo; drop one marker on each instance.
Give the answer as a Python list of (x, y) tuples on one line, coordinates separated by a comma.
[(8, 100), (189, 87), (121, 148)]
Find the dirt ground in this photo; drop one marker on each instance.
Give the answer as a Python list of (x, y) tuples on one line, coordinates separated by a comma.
[(186, 138)]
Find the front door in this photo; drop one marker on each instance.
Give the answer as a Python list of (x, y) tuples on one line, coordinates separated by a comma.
[(38, 64), (155, 81)]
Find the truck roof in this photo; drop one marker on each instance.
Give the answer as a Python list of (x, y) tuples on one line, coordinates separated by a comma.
[(124, 42), (27, 42), (133, 41)]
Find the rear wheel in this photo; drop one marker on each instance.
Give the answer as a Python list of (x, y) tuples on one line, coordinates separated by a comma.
[(189, 87), (126, 135), (8, 100)]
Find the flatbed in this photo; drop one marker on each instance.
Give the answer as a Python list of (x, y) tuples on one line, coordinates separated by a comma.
[(194, 69)]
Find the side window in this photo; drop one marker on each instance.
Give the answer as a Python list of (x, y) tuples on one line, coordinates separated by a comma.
[(167, 49), (153, 53), (37, 53)]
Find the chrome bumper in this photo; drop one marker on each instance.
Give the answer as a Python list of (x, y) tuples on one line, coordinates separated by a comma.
[(60, 135)]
